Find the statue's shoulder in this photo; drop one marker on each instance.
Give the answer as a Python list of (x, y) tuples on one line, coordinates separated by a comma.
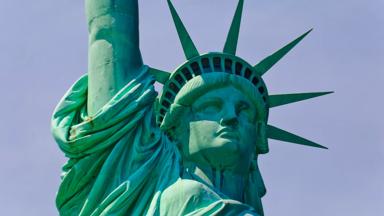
[(186, 195), (191, 197)]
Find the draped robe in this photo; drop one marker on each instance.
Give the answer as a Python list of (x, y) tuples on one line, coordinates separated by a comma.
[(121, 163)]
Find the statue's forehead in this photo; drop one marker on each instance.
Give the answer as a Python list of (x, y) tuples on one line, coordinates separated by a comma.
[(227, 93)]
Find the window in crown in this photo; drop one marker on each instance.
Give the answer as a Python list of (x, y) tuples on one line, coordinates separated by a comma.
[(228, 65), (217, 64)]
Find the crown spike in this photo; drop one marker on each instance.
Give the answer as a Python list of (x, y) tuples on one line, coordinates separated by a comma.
[(160, 76), (189, 47), (283, 99), (282, 135), (233, 34), (263, 66)]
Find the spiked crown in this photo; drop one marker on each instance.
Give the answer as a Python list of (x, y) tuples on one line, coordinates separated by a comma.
[(227, 62)]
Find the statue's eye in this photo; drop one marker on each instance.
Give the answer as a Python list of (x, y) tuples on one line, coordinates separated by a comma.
[(245, 109), (242, 106)]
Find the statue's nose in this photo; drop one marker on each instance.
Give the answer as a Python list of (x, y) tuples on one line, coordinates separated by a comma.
[(229, 117)]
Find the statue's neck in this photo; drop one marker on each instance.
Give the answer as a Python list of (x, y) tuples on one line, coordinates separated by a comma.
[(227, 182)]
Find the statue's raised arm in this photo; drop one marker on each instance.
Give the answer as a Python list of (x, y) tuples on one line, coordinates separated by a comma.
[(114, 54)]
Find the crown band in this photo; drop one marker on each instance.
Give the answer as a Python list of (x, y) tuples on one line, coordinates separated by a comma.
[(207, 63)]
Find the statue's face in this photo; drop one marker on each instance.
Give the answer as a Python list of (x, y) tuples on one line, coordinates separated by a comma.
[(222, 130)]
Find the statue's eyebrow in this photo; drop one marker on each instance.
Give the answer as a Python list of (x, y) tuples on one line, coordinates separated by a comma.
[(207, 101), (243, 102)]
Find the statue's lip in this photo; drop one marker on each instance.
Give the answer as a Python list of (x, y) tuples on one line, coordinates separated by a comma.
[(227, 132)]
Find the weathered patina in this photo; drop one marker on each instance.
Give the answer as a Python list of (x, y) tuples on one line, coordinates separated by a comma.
[(192, 150)]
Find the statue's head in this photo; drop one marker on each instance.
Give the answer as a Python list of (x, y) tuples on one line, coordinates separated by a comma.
[(215, 106)]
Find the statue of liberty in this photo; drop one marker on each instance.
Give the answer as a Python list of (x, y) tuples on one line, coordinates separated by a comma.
[(191, 150)]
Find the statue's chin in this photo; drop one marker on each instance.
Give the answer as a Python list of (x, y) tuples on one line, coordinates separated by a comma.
[(227, 146), (223, 153)]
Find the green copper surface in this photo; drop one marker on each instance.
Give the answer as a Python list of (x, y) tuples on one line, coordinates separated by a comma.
[(263, 66), (282, 135), (192, 150), (233, 34), (189, 47), (160, 76), (283, 99), (114, 57)]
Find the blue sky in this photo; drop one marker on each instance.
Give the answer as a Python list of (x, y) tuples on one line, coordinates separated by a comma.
[(44, 50)]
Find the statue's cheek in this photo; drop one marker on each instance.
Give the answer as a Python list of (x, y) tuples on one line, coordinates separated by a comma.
[(248, 136), (202, 134)]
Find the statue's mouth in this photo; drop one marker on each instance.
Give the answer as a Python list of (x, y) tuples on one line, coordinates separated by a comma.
[(228, 133)]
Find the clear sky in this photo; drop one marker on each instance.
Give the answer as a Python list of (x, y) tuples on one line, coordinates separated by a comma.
[(43, 50)]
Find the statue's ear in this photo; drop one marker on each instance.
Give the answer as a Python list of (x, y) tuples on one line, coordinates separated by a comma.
[(262, 139)]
